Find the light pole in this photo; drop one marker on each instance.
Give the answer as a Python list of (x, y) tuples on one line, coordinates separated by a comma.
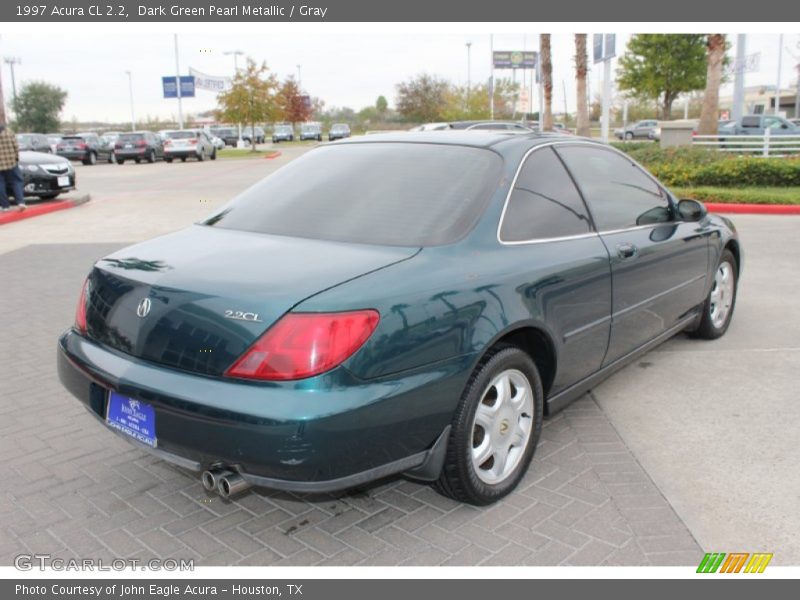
[(11, 61), (178, 84), (236, 54), (298, 77), (778, 83), (469, 71), (130, 94)]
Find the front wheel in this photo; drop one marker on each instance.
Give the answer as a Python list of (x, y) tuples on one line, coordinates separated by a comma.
[(214, 154), (718, 307), (629, 136), (151, 156), (495, 429), (91, 159), (201, 156), (169, 160), (120, 161)]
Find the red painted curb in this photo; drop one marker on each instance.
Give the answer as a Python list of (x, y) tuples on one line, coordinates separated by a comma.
[(273, 155), (34, 211), (753, 209)]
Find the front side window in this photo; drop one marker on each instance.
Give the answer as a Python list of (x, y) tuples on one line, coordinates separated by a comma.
[(396, 194), (544, 203), (620, 195)]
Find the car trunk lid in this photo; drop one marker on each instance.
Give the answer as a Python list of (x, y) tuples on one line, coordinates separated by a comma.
[(197, 299)]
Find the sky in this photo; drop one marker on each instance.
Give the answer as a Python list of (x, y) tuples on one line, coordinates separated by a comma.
[(343, 68)]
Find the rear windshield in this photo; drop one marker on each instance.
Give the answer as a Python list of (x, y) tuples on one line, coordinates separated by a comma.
[(309, 127), (130, 137), (282, 128), (72, 138), (396, 194), (181, 135)]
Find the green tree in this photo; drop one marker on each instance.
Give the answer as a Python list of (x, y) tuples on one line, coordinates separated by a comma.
[(663, 66), (295, 107), (381, 105), (422, 98), (252, 98), (37, 107), (473, 103)]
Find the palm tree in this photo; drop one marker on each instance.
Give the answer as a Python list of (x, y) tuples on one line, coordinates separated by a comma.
[(547, 82), (715, 57), (582, 117)]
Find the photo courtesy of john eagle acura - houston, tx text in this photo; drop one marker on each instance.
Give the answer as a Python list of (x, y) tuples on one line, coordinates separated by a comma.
[(475, 283)]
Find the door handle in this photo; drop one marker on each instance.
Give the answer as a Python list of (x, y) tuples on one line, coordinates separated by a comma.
[(627, 250)]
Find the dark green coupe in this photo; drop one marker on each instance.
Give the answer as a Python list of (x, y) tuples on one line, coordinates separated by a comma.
[(412, 303)]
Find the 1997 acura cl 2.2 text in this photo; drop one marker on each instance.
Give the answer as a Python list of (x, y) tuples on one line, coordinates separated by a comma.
[(402, 303)]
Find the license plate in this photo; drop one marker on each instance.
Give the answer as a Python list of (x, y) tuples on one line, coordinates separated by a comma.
[(132, 417), (63, 181), (129, 145)]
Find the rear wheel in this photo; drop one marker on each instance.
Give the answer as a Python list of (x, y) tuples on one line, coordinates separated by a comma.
[(151, 156), (111, 158), (120, 161), (214, 154), (201, 156), (169, 160), (495, 429), (91, 159), (628, 135), (137, 160), (718, 307), (183, 159)]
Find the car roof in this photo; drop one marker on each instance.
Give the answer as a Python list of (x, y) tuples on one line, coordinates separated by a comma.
[(461, 137)]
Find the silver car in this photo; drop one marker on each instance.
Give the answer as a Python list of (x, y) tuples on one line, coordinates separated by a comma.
[(188, 143)]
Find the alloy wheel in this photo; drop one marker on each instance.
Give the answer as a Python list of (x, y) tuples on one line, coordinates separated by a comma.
[(721, 295), (502, 426)]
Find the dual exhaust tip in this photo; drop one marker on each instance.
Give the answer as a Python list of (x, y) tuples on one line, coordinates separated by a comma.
[(225, 483)]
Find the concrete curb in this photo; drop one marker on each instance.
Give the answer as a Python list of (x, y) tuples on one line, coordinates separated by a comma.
[(37, 210), (753, 209)]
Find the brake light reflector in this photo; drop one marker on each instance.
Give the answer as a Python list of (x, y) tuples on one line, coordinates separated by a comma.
[(80, 311), (303, 345)]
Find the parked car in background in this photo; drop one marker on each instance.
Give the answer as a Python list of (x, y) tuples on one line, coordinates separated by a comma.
[(111, 137), (138, 146), (85, 147), (282, 133), (33, 142), (248, 136), (54, 139), (338, 131), (311, 131), (403, 303), (655, 134), (637, 130), (759, 124), (45, 176), (515, 126), (431, 127), (229, 135), (795, 122), (188, 143), (218, 142)]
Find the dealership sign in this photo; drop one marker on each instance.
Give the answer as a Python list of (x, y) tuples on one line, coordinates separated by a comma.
[(514, 60), (604, 46), (211, 83), (171, 89)]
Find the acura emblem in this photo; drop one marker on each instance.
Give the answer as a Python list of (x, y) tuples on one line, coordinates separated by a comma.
[(144, 308)]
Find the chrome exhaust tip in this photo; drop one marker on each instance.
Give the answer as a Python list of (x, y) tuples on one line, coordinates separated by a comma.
[(231, 484), (211, 478)]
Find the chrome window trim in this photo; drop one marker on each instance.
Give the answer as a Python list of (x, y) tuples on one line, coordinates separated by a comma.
[(580, 235)]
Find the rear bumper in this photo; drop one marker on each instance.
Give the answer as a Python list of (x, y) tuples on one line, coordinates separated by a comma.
[(182, 153), (297, 437), (131, 153)]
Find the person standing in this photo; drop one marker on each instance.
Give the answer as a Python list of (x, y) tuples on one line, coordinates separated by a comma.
[(10, 173)]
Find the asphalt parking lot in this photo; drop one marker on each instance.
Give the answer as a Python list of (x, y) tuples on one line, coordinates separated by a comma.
[(691, 449)]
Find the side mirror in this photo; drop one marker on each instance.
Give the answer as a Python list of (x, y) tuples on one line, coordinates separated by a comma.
[(691, 210)]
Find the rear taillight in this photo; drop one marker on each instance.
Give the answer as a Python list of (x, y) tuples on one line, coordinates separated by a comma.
[(302, 345), (193, 141), (167, 142), (141, 143), (81, 146), (80, 310)]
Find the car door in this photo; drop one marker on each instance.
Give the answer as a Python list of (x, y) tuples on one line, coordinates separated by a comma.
[(565, 276), (658, 263)]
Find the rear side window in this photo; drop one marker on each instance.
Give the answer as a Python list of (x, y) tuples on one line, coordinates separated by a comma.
[(620, 195), (397, 194), (544, 202)]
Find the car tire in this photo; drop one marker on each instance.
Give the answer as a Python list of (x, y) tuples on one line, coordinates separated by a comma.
[(120, 161), (111, 158), (628, 135), (91, 159), (151, 156), (183, 159), (49, 196), (169, 160), (137, 160), (721, 299), (464, 477), (201, 156), (214, 154)]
